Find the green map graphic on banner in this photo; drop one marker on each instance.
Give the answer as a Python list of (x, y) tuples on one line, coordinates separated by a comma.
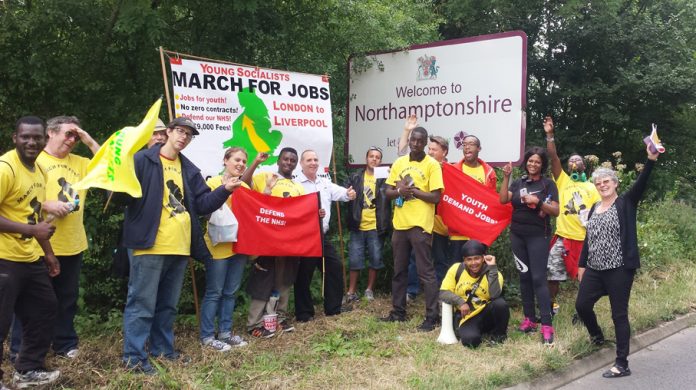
[(252, 128)]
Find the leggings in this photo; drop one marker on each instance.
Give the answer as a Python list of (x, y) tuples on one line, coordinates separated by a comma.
[(531, 258), (617, 284)]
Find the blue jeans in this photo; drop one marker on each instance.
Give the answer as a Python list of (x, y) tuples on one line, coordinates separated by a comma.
[(361, 240), (154, 287), (222, 280)]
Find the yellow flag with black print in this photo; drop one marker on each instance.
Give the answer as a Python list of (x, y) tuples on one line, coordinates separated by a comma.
[(112, 168)]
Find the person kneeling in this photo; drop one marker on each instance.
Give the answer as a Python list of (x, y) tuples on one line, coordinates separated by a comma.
[(474, 286)]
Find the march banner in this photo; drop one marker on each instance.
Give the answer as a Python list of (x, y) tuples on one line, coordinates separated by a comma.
[(470, 208), (259, 109), (274, 226), (112, 168)]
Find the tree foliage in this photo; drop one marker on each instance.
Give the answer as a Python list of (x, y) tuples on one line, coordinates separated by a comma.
[(605, 70)]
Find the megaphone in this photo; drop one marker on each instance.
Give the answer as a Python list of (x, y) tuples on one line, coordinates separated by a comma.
[(447, 335)]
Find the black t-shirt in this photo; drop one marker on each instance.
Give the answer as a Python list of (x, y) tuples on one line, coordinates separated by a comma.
[(526, 221)]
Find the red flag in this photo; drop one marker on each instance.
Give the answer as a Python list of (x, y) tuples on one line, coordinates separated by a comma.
[(470, 208), (274, 226)]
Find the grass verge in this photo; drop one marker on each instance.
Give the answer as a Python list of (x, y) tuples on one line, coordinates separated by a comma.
[(355, 350)]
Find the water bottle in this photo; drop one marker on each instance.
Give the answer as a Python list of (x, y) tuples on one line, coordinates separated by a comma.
[(272, 303), (71, 207)]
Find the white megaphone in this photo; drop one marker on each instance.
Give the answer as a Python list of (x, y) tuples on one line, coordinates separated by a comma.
[(447, 335)]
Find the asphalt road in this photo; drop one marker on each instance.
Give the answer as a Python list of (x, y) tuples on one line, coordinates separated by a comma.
[(667, 364)]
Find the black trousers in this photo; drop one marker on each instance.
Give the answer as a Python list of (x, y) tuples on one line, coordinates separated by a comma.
[(531, 257), (26, 291), (617, 284), (333, 287), (67, 288), (492, 319)]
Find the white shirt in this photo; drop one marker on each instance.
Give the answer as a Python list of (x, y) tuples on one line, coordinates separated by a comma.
[(328, 192)]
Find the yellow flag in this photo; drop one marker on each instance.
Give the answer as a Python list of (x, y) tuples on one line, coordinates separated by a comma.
[(112, 167)]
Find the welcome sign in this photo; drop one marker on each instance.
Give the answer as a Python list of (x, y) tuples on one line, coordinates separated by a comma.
[(455, 88)]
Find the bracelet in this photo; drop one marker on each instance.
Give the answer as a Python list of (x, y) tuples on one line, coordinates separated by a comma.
[(550, 139)]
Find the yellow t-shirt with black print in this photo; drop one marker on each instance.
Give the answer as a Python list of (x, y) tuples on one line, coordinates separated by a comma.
[(464, 286), (61, 173), (283, 188), (575, 198), (222, 250), (22, 191), (174, 231), (477, 174), (426, 175), (368, 219)]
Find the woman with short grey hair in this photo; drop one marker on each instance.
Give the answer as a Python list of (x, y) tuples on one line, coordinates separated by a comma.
[(609, 259)]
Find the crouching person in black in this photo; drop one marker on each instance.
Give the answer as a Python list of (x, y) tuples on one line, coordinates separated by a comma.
[(474, 288)]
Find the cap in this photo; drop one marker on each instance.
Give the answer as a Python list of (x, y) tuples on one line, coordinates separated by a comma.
[(473, 248), (159, 125), (181, 121)]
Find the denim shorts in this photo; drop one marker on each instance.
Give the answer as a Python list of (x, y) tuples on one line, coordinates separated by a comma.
[(361, 240)]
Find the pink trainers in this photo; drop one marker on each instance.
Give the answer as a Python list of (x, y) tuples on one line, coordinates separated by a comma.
[(528, 325), (547, 334)]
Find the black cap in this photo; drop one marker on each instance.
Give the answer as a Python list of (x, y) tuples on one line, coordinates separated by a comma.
[(473, 248), (186, 122)]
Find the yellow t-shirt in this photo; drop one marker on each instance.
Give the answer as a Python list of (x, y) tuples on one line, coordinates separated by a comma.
[(174, 231), (283, 188), (368, 220), (221, 250), (575, 199), (479, 175), (61, 173), (463, 287), (21, 194), (427, 176)]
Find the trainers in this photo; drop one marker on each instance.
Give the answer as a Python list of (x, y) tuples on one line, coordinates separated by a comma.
[(428, 325), (547, 334), (393, 318), (71, 354), (35, 378), (410, 298), (234, 341), (576, 319), (286, 326), (261, 333), (369, 295), (350, 298), (216, 345), (528, 325)]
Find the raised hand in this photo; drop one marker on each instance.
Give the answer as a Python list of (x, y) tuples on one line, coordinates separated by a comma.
[(489, 259), (411, 123), (507, 170), (548, 125)]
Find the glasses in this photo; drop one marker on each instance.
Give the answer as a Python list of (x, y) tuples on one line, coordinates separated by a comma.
[(374, 148), (73, 135), (184, 133), (469, 144)]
